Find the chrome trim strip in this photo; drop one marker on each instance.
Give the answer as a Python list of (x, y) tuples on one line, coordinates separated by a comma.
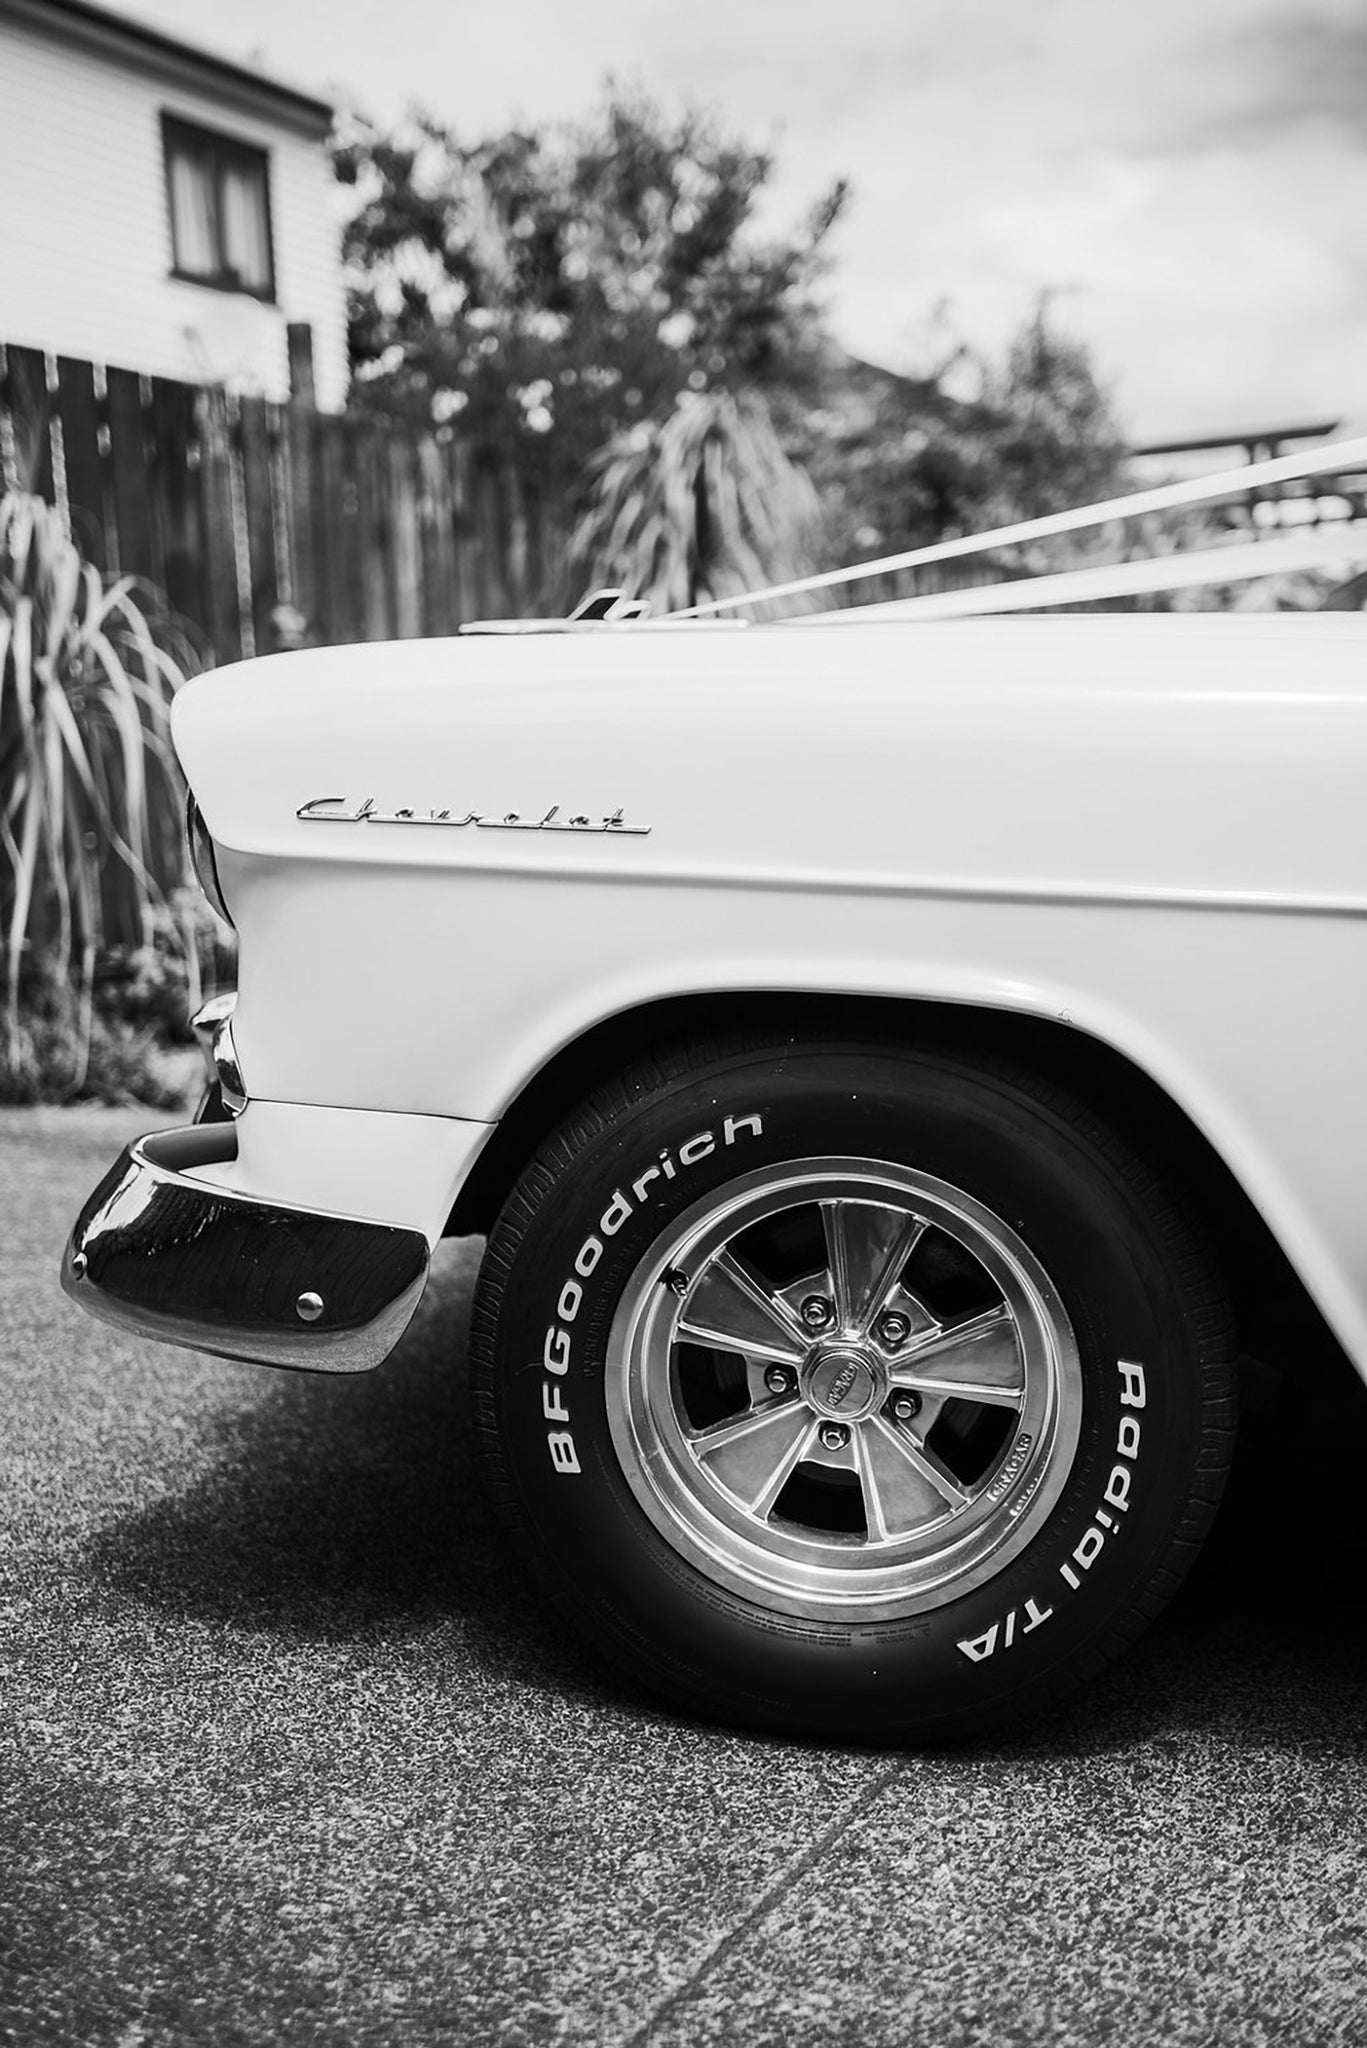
[(205, 1023), (203, 859), (185, 1261), (228, 1070)]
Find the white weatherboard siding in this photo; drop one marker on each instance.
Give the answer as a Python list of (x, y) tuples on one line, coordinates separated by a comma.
[(85, 237)]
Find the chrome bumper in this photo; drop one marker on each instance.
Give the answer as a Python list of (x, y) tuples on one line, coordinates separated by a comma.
[(178, 1259)]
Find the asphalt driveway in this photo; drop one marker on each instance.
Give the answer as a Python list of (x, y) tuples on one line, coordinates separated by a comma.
[(288, 1753)]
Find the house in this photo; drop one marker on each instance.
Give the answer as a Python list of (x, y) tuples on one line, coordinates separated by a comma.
[(164, 210)]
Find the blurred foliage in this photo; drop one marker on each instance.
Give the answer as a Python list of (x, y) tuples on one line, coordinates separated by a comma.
[(1348, 595), (549, 291), (965, 445), (92, 866), (186, 954), (596, 300), (700, 505), (133, 1045)]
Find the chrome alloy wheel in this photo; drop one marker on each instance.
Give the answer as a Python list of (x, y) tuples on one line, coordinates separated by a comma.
[(840, 1385)]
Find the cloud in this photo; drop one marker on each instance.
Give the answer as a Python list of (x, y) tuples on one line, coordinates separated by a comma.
[(1301, 68), (1192, 181), (1190, 173)]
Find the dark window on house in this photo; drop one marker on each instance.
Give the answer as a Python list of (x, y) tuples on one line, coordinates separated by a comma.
[(219, 195)]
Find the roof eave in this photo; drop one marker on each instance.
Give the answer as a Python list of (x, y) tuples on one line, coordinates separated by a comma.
[(153, 53)]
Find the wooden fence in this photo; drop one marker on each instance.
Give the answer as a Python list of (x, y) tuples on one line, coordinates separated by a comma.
[(251, 516), (259, 520)]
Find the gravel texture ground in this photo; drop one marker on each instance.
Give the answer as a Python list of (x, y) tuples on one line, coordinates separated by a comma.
[(290, 1754)]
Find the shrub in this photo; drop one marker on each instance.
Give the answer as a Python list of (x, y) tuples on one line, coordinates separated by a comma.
[(703, 505), (114, 1062), (90, 798)]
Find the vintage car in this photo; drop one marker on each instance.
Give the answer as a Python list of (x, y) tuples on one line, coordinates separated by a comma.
[(881, 1053)]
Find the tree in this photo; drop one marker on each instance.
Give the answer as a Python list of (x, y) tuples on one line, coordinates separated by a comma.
[(593, 302), (901, 461), (551, 291)]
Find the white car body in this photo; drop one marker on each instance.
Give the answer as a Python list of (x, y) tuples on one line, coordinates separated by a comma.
[(888, 1061), (1148, 830), (893, 1063)]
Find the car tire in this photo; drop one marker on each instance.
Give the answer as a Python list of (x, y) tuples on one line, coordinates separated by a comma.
[(851, 1390)]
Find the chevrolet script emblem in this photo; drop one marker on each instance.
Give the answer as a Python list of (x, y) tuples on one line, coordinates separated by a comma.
[(337, 810)]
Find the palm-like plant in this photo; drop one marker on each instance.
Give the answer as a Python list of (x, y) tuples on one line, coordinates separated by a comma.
[(703, 504), (89, 789)]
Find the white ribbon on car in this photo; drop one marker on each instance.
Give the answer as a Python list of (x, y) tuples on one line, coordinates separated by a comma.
[(1166, 572), (1340, 546)]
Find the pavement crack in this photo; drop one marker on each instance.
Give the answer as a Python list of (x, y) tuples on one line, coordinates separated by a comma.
[(732, 1937)]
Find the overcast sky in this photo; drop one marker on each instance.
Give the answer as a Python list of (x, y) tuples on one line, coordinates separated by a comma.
[(1190, 176)]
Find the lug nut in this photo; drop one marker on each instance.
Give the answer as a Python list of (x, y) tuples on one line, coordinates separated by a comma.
[(779, 1380), (817, 1311), (906, 1407), (893, 1329), (834, 1436)]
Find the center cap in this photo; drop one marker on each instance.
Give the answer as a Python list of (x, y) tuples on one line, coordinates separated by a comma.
[(842, 1383)]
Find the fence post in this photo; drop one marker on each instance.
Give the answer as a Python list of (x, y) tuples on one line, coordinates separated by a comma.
[(178, 453), (130, 468), (216, 495), (258, 514), (87, 479), (303, 458)]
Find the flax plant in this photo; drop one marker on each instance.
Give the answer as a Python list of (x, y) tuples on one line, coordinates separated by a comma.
[(89, 788), (704, 504)]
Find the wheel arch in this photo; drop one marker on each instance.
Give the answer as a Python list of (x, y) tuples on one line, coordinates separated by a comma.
[(1265, 1286)]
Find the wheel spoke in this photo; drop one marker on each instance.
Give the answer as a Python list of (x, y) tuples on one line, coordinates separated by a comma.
[(979, 1360), (904, 1487), (754, 1456), (970, 1390), (730, 1310), (867, 1245)]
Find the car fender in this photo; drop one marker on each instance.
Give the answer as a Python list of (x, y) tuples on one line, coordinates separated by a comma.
[(1149, 827)]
